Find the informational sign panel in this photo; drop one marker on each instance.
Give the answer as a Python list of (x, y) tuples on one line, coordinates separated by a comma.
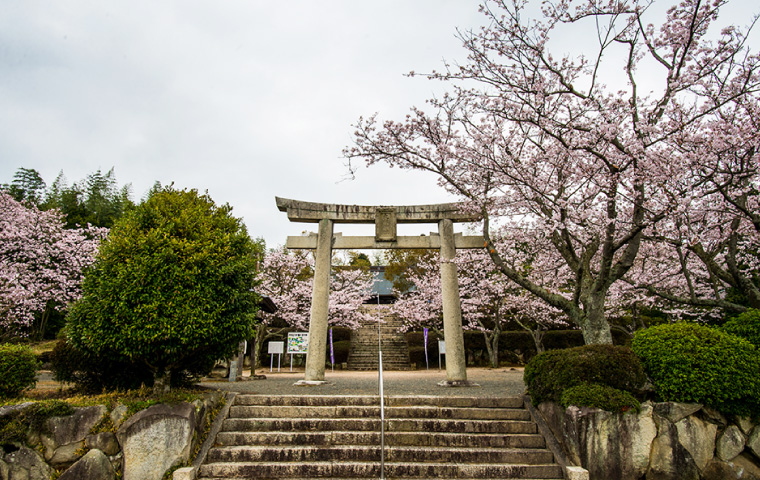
[(276, 347), (441, 351), (298, 342)]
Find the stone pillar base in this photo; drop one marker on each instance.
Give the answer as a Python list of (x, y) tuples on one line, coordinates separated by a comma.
[(309, 383), (457, 383)]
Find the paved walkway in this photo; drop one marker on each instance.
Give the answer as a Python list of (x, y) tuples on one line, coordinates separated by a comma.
[(493, 383)]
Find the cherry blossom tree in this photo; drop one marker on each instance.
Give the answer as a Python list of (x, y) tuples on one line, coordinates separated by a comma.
[(287, 278), (41, 264), (707, 255), (489, 301), (589, 152)]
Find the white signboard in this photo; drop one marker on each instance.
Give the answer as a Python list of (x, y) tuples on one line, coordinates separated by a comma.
[(275, 348)]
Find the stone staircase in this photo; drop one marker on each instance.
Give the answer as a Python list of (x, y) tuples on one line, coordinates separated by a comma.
[(338, 437), (364, 345)]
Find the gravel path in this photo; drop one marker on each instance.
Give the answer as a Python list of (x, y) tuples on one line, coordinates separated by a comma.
[(492, 383)]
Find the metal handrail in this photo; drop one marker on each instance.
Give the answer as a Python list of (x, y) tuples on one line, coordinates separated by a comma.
[(380, 385)]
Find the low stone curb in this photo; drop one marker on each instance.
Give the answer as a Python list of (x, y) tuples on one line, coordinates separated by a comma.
[(191, 472)]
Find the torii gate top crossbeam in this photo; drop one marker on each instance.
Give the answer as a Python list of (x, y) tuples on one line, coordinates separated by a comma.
[(310, 212)]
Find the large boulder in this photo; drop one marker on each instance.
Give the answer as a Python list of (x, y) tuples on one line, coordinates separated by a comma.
[(156, 439), (698, 438), (118, 415), (720, 470), (675, 412), (104, 441), (24, 464), (669, 459), (94, 465), (730, 443), (64, 437), (754, 441), (610, 445)]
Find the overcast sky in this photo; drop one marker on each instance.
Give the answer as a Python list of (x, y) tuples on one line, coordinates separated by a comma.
[(247, 99)]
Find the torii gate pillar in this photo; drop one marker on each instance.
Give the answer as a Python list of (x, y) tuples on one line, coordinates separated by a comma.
[(385, 219), (320, 299), (456, 362)]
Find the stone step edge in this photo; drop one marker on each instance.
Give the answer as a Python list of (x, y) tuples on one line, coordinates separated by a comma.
[(515, 402), (338, 433), (373, 465), (404, 448), (391, 411)]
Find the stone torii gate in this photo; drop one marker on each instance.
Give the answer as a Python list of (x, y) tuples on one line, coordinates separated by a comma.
[(385, 220)]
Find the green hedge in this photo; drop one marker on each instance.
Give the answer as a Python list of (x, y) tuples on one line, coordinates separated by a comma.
[(746, 325), (18, 365), (549, 374), (515, 347), (93, 373), (693, 363), (600, 396)]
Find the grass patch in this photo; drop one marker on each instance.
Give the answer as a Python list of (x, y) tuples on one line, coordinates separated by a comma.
[(45, 346)]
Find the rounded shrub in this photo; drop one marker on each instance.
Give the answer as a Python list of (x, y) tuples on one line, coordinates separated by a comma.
[(19, 366), (688, 362), (600, 396), (549, 374), (746, 325)]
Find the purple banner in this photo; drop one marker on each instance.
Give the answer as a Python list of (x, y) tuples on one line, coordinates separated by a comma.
[(332, 352), (425, 331)]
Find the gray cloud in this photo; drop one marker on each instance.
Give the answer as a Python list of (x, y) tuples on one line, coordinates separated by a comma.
[(245, 99)]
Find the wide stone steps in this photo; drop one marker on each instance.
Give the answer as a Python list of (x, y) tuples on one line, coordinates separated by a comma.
[(442, 439), (332, 469), (338, 437), (417, 412), (363, 354), (366, 453)]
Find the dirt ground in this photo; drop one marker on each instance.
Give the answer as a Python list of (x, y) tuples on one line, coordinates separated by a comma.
[(491, 382)]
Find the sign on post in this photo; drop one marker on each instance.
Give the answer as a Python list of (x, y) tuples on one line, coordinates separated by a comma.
[(275, 348), (298, 344)]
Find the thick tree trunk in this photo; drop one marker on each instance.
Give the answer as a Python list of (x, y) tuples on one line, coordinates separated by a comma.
[(494, 353), (257, 346), (537, 335), (162, 381), (596, 329), (492, 347)]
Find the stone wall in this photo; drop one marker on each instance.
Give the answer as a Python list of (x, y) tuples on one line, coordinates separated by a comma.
[(142, 447), (665, 441)]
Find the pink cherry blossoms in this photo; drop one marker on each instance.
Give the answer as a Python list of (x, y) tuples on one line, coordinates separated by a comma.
[(489, 301), (642, 146), (287, 277), (41, 263)]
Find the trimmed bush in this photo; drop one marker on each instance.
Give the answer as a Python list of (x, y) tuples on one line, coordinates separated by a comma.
[(549, 374), (18, 365), (600, 396), (693, 363), (341, 348), (746, 325), (92, 373)]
